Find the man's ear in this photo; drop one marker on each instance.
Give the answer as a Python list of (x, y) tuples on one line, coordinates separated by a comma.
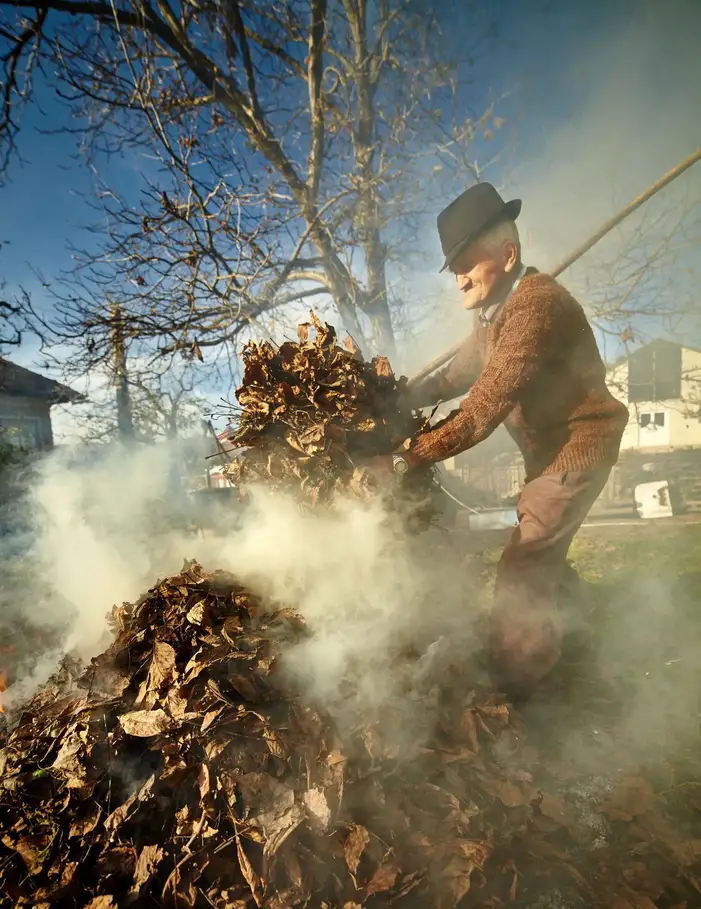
[(511, 254)]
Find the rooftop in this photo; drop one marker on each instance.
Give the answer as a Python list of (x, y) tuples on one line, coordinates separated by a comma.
[(18, 381)]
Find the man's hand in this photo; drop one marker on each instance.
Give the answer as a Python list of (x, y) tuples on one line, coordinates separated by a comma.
[(381, 468)]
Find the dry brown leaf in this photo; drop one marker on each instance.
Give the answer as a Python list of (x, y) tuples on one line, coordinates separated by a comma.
[(32, 851), (146, 866), (82, 826), (317, 807), (144, 723), (383, 879), (101, 902), (382, 367), (210, 717), (354, 846), (203, 781), (271, 807), (252, 879), (162, 665), (108, 682), (510, 794), (477, 852), (176, 702), (468, 729), (121, 814), (455, 878), (196, 615), (68, 760), (116, 860)]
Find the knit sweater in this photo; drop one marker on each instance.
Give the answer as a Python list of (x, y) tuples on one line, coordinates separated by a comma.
[(538, 370)]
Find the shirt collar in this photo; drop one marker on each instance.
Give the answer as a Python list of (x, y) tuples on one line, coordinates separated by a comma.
[(488, 315)]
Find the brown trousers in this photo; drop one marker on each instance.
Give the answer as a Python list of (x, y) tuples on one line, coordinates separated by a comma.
[(527, 620)]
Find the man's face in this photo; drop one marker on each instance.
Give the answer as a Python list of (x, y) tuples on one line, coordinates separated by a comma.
[(481, 275)]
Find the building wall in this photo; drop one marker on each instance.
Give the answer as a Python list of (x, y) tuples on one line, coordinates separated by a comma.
[(31, 416), (617, 381), (686, 425), (663, 424)]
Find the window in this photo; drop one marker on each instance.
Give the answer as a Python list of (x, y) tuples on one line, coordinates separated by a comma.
[(23, 432), (655, 373), (649, 419)]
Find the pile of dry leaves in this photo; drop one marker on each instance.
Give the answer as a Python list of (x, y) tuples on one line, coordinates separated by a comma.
[(314, 412), (178, 771)]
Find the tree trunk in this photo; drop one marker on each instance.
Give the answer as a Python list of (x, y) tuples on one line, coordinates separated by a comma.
[(376, 304), (125, 421)]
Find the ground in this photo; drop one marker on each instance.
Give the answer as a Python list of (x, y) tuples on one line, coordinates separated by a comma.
[(642, 605), (629, 701), (635, 698)]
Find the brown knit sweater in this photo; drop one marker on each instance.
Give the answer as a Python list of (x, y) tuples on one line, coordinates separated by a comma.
[(536, 369)]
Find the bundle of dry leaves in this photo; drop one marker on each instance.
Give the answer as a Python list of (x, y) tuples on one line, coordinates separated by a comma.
[(177, 771), (314, 412)]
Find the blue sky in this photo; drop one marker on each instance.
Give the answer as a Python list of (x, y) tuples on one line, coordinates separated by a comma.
[(603, 96), (41, 206)]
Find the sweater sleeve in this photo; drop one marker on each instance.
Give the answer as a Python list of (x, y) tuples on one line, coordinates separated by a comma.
[(520, 352), (453, 381)]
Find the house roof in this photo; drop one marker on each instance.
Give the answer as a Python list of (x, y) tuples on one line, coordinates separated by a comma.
[(19, 382), (656, 342)]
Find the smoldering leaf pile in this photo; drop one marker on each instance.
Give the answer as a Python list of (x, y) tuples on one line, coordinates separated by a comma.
[(176, 770), (313, 411), (181, 774)]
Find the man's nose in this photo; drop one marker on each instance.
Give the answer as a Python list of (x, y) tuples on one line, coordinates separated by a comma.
[(463, 282)]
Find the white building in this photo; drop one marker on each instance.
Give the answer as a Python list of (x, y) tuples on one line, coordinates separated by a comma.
[(661, 385)]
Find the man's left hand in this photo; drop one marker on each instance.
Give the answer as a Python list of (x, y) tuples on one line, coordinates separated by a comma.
[(382, 467)]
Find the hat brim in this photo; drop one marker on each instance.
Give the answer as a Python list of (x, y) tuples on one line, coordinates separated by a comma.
[(510, 211)]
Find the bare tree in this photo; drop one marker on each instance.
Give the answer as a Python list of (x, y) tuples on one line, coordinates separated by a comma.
[(10, 335), (162, 407), (10, 323), (644, 283), (290, 145)]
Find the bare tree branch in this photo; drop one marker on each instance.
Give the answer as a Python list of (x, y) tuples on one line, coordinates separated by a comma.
[(287, 149)]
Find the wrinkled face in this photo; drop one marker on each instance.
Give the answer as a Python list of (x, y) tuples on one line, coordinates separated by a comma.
[(483, 275)]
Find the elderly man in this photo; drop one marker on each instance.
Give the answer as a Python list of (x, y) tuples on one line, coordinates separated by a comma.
[(531, 363)]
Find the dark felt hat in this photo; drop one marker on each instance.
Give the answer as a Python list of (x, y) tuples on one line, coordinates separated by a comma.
[(472, 214)]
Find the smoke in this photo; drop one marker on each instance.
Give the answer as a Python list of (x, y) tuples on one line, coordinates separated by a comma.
[(634, 93), (103, 529), (369, 594), (96, 526)]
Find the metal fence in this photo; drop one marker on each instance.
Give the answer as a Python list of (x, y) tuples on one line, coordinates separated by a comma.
[(501, 482), (498, 482)]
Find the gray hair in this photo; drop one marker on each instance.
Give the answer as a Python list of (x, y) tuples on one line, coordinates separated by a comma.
[(496, 236)]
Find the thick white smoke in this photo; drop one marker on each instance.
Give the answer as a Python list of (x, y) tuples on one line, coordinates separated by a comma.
[(105, 530)]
